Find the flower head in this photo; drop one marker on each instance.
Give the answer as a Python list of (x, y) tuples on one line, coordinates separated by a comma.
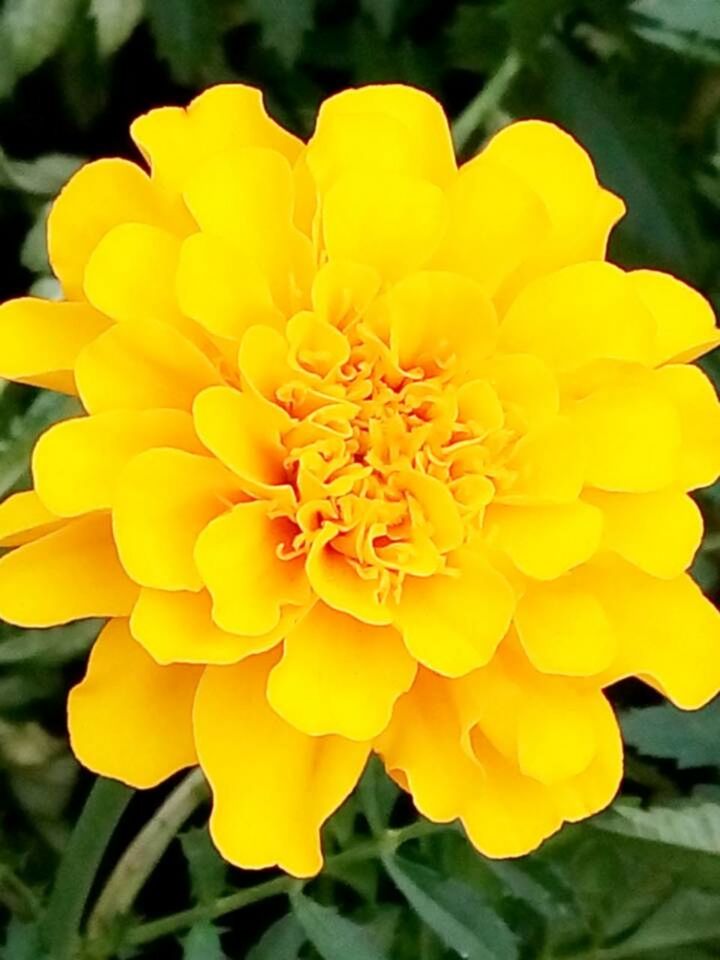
[(380, 454)]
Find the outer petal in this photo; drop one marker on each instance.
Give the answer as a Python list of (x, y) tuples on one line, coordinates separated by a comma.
[(273, 786), (164, 499), (76, 463), (453, 624), (402, 114), (668, 632), (389, 222), (496, 221), (564, 629), (527, 388), (238, 556), (658, 532), (40, 340), (547, 466), (224, 117), (100, 196), (545, 542), (338, 675), (684, 320), (633, 434), (178, 627), (695, 402), (581, 212), (135, 366), (129, 718), (71, 573), (23, 518), (583, 313)]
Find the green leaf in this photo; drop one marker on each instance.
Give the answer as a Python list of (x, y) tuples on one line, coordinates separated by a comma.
[(203, 943), (54, 646), (460, 915), (690, 739), (284, 24), (186, 35), (530, 22), (633, 160), (695, 827), (206, 866), (282, 941), (383, 13), (334, 937), (378, 795), (42, 177), (35, 29), (700, 17), (687, 917), (115, 20), (22, 942)]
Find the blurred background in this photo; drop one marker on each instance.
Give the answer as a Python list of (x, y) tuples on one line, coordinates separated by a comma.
[(638, 83)]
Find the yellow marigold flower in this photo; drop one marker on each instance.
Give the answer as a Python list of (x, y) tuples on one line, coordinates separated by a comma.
[(380, 455)]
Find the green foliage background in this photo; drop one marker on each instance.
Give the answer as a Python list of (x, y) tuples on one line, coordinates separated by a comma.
[(639, 84)]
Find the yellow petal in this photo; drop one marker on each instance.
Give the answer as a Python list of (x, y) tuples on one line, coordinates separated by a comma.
[(332, 577), (668, 632), (546, 466), (658, 532), (564, 629), (403, 115), (224, 117), (584, 313), (129, 718), (557, 168), (633, 434), (527, 388), (343, 291), (164, 499), (436, 315), (76, 463), (545, 542), (338, 675), (453, 624), (136, 366), (178, 627), (71, 573), (220, 291), (100, 196), (238, 558), (390, 222), (40, 340), (695, 402), (684, 320), (273, 787), (422, 748), (23, 517), (495, 221)]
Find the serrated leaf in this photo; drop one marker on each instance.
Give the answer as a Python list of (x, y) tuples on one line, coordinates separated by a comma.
[(334, 937), (186, 33), (461, 916), (115, 20), (690, 739), (695, 827), (382, 13), (284, 24), (202, 942), (42, 177), (35, 29), (282, 941), (687, 917), (206, 866), (660, 228), (52, 646), (377, 794)]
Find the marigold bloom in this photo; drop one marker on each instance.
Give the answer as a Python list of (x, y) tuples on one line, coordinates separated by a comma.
[(380, 454)]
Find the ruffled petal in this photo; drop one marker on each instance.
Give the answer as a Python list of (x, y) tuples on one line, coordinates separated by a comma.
[(338, 675), (40, 340), (69, 574), (273, 786), (129, 718), (76, 463), (239, 559), (164, 499), (453, 624)]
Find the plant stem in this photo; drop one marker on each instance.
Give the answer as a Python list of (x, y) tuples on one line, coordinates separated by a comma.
[(476, 113), (76, 873), (143, 854), (386, 843)]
